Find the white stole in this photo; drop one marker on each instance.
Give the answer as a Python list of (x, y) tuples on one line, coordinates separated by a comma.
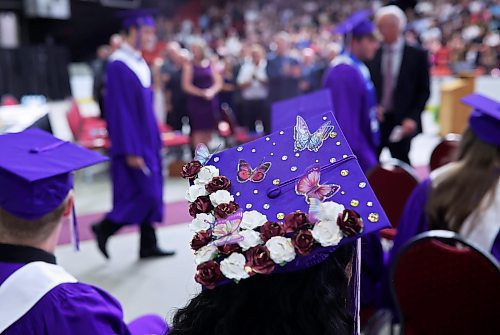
[(25, 287)]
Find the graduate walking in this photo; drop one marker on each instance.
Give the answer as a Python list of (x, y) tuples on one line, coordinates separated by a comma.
[(135, 140)]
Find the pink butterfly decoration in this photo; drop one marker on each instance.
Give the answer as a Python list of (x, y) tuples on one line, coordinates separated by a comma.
[(227, 230), (308, 185), (246, 173)]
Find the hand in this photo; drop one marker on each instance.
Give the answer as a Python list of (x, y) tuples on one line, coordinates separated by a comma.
[(208, 94), (409, 127), (136, 162), (380, 113)]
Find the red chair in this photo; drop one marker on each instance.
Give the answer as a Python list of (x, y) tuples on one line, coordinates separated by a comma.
[(444, 285), (171, 138), (392, 183), (230, 130), (89, 132), (445, 151)]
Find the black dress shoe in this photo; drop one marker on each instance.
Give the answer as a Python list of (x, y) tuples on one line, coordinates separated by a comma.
[(155, 252), (103, 231)]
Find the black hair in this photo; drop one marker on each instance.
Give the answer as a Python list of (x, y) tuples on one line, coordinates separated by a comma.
[(314, 301)]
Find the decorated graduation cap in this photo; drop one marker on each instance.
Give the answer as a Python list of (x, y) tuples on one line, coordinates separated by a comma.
[(36, 172), (137, 18), (485, 118), (281, 203), (285, 112), (358, 24)]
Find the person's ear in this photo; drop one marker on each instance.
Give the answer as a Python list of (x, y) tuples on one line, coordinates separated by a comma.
[(69, 204)]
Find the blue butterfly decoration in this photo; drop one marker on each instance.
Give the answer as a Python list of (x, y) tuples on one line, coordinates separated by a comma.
[(305, 140)]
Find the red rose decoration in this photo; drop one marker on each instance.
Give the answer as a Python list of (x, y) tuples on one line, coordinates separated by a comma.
[(217, 184), (191, 169), (271, 229), (224, 210), (200, 240), (228, 249), (350, 222), (295, 221), (259, 260), (303, 242), (200, 205), (208, 274)]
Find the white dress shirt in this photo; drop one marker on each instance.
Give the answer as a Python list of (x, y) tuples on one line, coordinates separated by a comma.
[(257, 89), (397, 57)]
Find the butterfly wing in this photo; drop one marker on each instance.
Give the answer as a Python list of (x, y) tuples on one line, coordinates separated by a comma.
[(245, 171), (202, 154), (314, 208), (308, 182), (323, 192), (319, 136), (227, 230), (301, 134), (260, 172)]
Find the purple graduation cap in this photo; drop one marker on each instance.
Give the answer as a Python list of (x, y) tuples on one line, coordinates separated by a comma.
[(137, 18), (358, 24), (290, 198), (485, 118), (36, 172), (284, 112)]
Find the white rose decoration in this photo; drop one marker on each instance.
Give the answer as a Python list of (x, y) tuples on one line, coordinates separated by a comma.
[(330, 211), (195, 191), (205, 254), (201, 222), (280, 249), (233, 267), (252, 220), (327, 233), (251, 238), (221, 197), (206, 174)]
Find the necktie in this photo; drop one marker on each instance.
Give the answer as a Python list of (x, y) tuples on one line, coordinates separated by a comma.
[(388, 80)]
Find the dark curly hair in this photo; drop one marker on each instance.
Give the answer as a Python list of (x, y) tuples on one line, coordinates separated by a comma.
[(315, 301)]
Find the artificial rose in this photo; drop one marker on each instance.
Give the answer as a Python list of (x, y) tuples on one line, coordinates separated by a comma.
[(330, 211), (217, 184), (205, 254), (191, 169), (195, 191), (281, 249), (200, 239), (327, 233), (271, 229), (295, 221), (233, 267), (251, 238), (224, 210), (206, 174), (202, 221), (252, 220), (303, 242), (228, 249), (350, 222), (259, 260), (221, 197), (208, 274), (200, 205)]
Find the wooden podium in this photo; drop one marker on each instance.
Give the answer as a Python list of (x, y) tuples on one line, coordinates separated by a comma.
[(453, 115)]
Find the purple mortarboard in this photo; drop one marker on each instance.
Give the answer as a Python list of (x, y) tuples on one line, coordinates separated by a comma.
[(137, 18), (35, 171), (485, 118), (358, 24), (284, 112)]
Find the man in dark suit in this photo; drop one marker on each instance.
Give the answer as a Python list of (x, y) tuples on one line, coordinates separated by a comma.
[(400, 73)]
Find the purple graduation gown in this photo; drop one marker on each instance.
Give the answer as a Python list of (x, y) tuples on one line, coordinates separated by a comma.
[(133, 129), (354, 103), (71, 308)]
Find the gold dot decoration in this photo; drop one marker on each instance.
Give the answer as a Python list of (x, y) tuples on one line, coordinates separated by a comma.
[(333, 134), (276, 182), (344, 173), (373, 217), (354, 203), (280, 216)]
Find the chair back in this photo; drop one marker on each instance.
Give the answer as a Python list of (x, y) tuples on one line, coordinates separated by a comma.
[(393, 183), (445, 151), (445, 285), (75, 119)]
